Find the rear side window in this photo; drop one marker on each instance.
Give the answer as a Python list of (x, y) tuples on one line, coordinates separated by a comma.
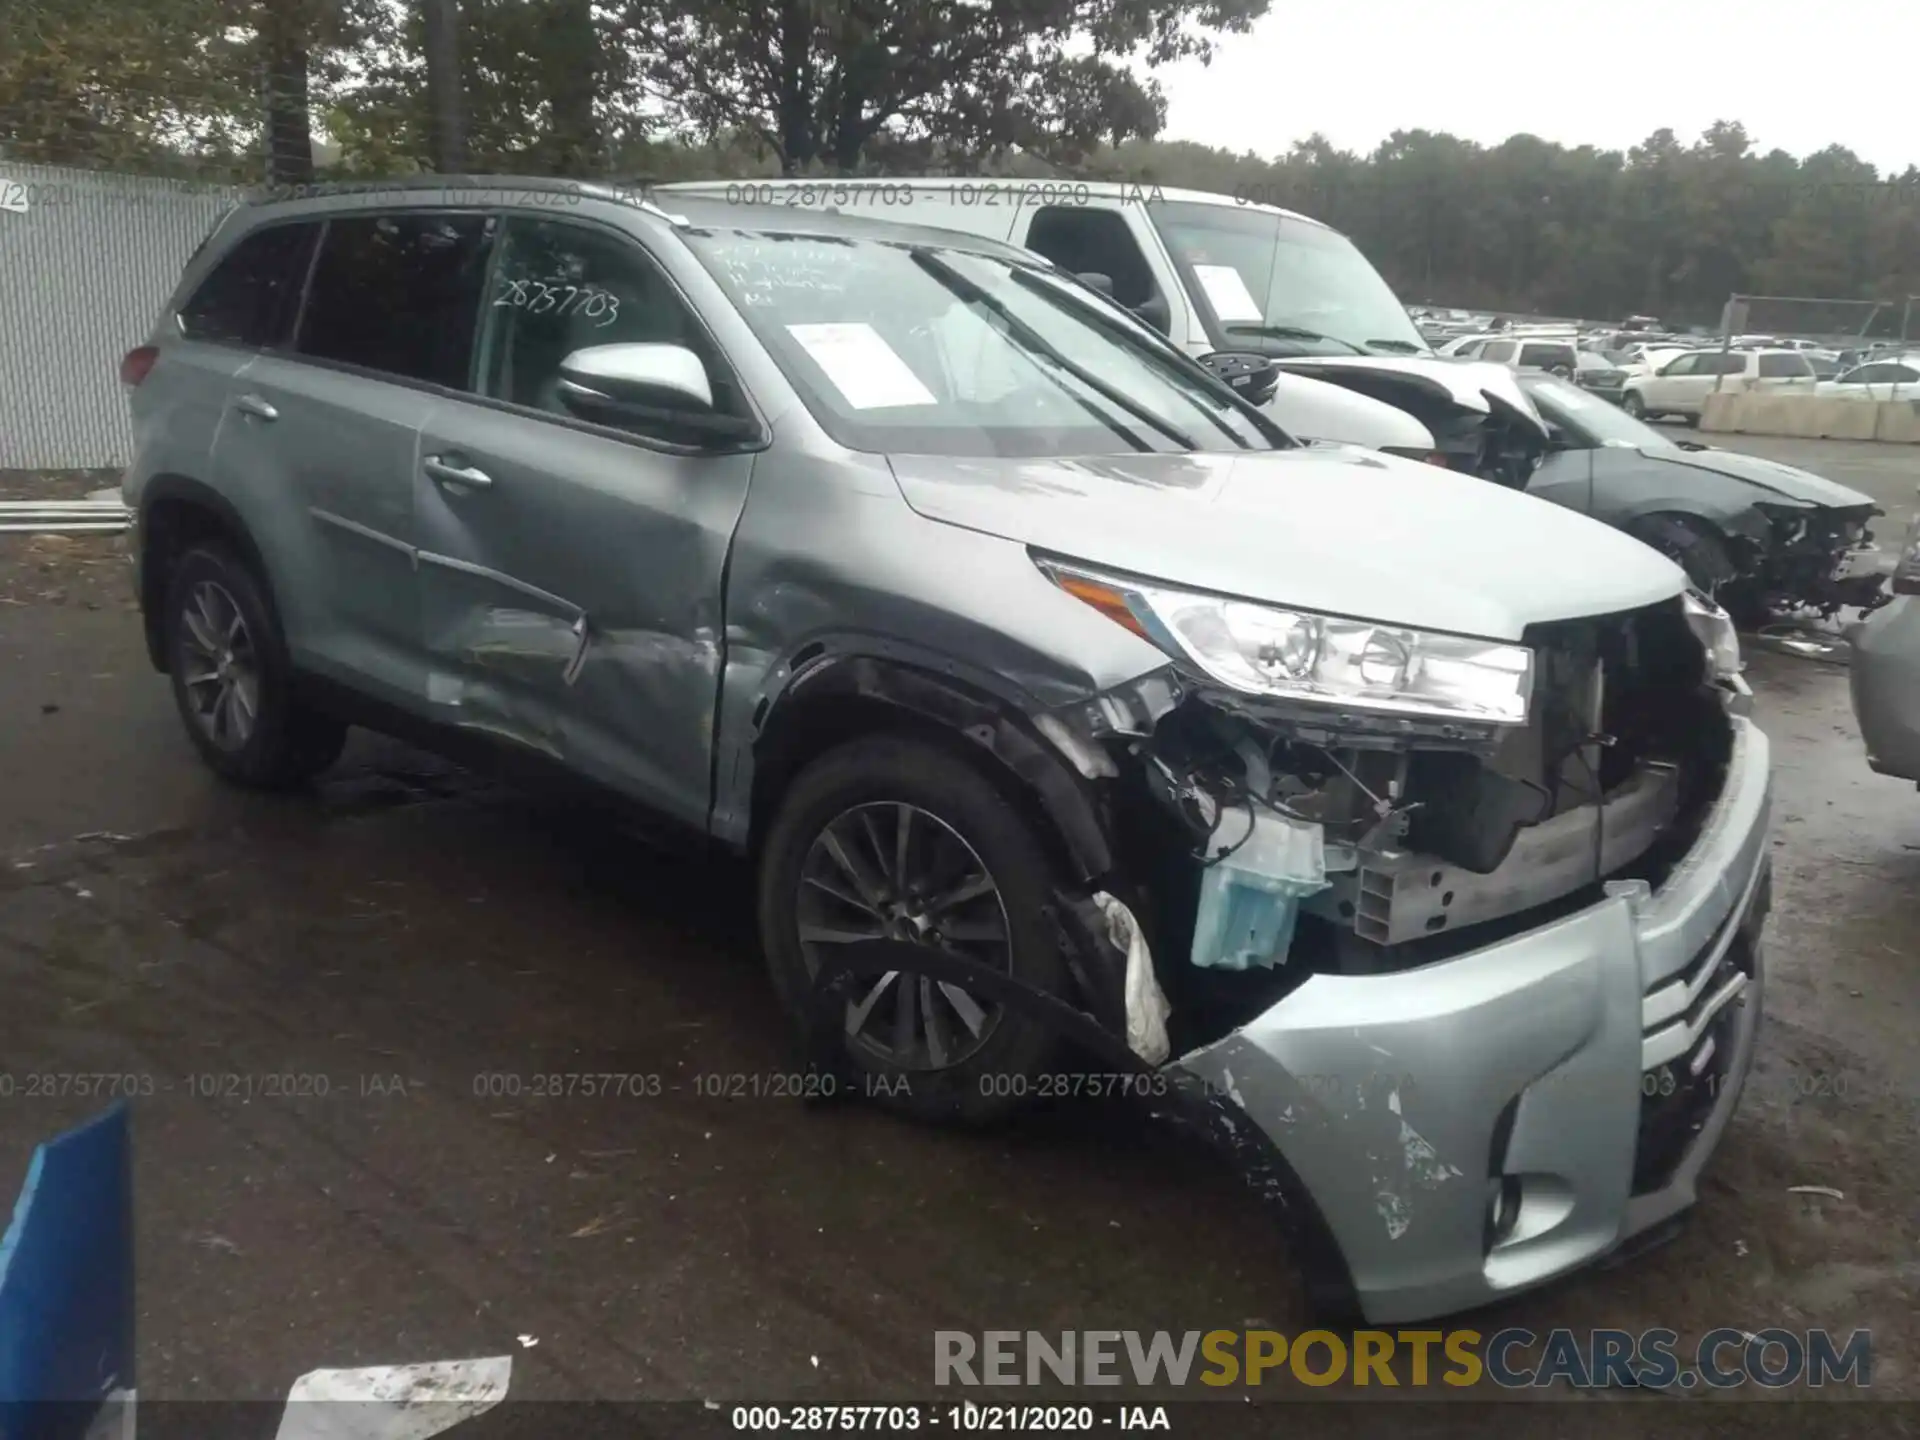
[(1775, 367), (249, 298), (1543, 357), (1500, 350), (399, 294)]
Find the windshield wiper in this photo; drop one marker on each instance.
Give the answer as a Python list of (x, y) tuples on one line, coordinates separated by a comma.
[(1034, 283), (971, 292), (1289, 332), (1398, 347)]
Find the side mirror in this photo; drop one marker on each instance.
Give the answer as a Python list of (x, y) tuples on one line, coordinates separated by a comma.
[(1094, 280), (1157, 313), (1253, 377), (1557, 438), (638, 386)]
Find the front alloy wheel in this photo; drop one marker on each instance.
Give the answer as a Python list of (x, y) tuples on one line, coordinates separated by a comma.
[(891, 871)]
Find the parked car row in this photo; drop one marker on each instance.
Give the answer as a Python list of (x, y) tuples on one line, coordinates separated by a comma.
[(1059, 693)]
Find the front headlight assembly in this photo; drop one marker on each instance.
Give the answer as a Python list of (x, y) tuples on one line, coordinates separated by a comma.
[(1298, 655)]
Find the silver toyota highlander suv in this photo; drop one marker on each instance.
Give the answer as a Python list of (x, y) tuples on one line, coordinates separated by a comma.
[(1404, 827)]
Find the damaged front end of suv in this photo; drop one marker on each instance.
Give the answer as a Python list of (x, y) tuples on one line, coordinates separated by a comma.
[(1453, 943)]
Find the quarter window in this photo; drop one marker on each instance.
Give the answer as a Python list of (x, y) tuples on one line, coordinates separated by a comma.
[(250, 296), (399, 294)]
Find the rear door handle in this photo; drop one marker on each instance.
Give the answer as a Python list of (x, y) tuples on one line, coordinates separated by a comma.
[(255, 406), (447, 473)]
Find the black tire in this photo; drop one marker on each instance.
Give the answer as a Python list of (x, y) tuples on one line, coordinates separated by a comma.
[(288, 742), (1691, 545), (992, 1081), (1634, 405), (1692, 421)]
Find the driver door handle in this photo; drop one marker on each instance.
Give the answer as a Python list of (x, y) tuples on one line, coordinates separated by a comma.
[(447, 473), (255, 406)]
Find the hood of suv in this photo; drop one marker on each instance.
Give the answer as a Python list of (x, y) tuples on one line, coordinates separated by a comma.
[(1329, 528)]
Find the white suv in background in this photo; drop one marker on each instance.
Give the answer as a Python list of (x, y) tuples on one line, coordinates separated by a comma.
[(1681, 386)]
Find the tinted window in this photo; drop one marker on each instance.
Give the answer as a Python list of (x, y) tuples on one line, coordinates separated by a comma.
[(1499, 350), (1731, 363), (250, 296), (1543, 357), (399, 293), (560, 288), (1782, 366), (1866, 375), (1080, 239)]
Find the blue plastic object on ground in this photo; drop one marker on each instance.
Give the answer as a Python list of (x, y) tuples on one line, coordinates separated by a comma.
[(66, 1283), (1250, 899)]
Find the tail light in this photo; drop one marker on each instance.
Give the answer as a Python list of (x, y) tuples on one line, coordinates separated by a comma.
[(1906, 574), (134, 368)]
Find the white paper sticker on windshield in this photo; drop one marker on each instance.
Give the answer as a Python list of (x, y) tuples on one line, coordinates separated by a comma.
[(862, 366), (1228, 294)]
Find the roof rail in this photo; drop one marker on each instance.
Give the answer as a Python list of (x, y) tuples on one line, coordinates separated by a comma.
[(636, 192)]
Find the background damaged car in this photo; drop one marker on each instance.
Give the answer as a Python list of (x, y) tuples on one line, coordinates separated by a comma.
[(1763, 538), (1404, 827)]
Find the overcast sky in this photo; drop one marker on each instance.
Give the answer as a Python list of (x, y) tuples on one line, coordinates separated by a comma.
[(1800, 76)]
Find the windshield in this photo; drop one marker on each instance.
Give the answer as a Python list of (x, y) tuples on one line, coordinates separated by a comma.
[(1282, 285), (917, 348), (1589, 421)]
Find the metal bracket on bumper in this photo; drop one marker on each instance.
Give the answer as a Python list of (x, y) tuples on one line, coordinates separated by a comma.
[(1169, 1093)]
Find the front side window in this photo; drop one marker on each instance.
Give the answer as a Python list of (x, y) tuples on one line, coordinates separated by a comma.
[(562, 287), (250, 297), (1500, 351), (1777, 367), (919, 348), (399, 294), (1084, 239), (1681, 366), (1282, 284)]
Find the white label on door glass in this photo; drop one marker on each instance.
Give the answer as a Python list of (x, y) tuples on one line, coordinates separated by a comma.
[(1228, 294), (862, 366), (13, 197)]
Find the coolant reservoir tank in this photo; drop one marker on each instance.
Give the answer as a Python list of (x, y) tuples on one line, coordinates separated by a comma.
[(1250, 898)]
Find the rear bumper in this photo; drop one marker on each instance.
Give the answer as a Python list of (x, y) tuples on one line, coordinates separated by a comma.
[(1586, 1068), (1884, 675)]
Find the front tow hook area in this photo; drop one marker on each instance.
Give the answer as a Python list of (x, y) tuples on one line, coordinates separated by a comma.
[(1168, 1093)]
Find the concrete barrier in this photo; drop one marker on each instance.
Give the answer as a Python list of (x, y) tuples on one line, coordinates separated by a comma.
[(1896, 422)]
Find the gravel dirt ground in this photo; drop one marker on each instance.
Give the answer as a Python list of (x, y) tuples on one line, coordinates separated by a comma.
[(408, 947)]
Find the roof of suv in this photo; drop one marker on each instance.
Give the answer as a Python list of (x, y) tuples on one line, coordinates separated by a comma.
[(698, 211), (1139, 191)]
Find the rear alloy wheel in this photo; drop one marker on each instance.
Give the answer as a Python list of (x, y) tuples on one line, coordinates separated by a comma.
[(896, 839), (232, 682), (1634, 405)]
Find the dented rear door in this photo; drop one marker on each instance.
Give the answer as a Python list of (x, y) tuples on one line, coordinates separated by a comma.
[(570, 574)]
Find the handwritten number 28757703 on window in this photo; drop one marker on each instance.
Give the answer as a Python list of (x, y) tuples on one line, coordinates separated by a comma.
[(537, 297)]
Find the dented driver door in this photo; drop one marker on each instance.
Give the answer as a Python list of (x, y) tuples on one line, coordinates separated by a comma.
[(569, 573)]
